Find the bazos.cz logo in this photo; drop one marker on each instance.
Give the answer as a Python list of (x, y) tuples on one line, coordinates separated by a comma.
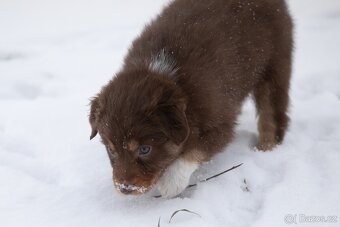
[(304, 219)]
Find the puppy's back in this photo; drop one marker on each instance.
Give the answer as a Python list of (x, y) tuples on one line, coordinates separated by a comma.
[(221, 46)]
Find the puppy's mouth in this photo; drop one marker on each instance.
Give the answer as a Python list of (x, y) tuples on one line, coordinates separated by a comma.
[(128, 189), (139, 188)]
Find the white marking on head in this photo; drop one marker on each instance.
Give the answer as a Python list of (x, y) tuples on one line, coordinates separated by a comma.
[(163, 63), (176, 178)]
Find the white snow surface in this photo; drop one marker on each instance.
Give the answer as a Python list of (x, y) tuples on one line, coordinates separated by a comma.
[(55, 55)]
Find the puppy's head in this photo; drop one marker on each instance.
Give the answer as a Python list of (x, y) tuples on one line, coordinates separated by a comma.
[(141, 119)]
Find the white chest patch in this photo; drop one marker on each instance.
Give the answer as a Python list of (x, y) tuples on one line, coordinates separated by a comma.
[(176, 178), (163, 63)]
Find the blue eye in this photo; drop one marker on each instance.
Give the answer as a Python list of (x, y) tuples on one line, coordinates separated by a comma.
[(144, 150)]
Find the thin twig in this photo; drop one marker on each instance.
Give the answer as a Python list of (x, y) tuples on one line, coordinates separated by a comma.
[(182, 210), (209, 178), (219, 174)]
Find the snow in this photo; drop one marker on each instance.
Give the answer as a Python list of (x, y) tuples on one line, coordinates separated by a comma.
[(55, 55)]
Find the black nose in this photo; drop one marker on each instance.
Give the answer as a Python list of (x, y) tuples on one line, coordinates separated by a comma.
[(126, 189)]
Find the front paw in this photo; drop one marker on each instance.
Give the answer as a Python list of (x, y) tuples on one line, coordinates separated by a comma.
[(176, 178), (171, 187)]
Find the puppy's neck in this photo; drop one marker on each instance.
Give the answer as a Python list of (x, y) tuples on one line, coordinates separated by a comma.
[(163, 63)]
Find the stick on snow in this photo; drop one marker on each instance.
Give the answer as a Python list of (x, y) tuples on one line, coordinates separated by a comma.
[(209, 178)]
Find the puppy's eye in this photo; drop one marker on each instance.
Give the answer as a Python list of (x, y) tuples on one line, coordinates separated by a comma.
[(144, 150)]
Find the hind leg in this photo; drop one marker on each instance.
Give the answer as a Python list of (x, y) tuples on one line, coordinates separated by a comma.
[(280, 80), (272, 100), (266, 121)]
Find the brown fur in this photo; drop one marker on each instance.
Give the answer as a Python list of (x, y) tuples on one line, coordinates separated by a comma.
[(220, 52)]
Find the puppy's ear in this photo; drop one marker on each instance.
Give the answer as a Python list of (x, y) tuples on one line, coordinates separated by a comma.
[(93, 118), (175, 123)]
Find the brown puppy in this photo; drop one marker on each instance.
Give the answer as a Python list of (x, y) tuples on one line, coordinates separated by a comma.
[(174, 103)]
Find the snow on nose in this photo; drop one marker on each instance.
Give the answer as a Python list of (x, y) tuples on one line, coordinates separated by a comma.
[(129, 189)]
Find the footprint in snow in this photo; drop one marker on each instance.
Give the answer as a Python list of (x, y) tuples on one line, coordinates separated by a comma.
[(10, 56), (28, 91)]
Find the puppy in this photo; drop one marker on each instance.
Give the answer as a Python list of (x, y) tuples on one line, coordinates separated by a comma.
[(174, 103)]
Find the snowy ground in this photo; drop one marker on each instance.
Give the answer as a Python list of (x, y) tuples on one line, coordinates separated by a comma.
[(54, 55)]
